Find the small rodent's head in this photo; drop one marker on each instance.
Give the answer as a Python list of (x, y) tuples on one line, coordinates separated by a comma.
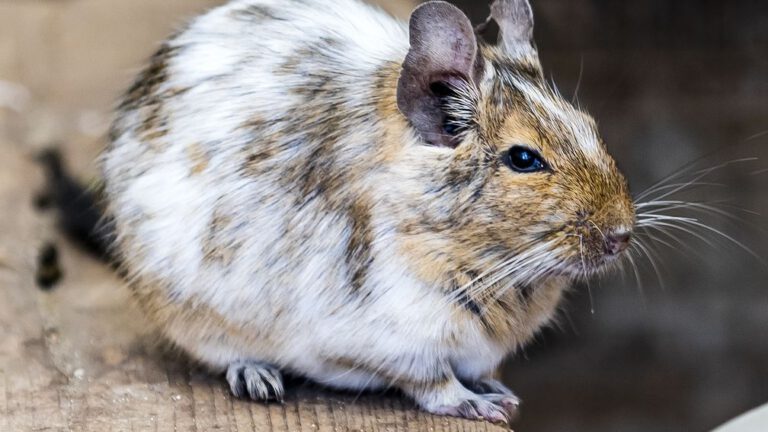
[(524, 176)]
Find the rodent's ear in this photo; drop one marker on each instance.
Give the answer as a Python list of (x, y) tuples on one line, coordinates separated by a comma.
[(440, 68), (515, 20)]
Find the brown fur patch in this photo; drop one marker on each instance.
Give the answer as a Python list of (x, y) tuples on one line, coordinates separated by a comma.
[(315, 127), (199, 158), (150, 79), (258, 151), (147, 97), (221, 243), (255, 13), (358, 253), (395, 128)]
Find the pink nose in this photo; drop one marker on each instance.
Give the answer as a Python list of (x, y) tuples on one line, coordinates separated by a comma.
[(616, 243)]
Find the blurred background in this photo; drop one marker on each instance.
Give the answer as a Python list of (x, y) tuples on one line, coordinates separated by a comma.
[(682, 346)]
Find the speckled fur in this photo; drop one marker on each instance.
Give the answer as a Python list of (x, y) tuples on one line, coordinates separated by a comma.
[(271, 203)]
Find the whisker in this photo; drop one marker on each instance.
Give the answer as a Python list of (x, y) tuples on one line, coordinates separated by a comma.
[(686, 230), (698, 176), (655, 239), (578, 81), (635, 270), (704, 207), (499, 271), (522, 278), (757, 135), (584, 270), (689, 185), (661, 219), (683, 244), (730, 238), (647, 253)]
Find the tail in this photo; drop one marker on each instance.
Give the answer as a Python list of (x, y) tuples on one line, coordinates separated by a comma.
[(79, 215)]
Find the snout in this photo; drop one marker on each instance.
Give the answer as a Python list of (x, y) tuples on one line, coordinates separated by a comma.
[(599, 243), (597, 239), (616, 243)]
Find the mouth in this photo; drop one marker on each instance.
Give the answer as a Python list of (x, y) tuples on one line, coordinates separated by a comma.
[(575, 268), (598, 256)]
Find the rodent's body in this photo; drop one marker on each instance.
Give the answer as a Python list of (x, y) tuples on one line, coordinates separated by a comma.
[(273, 205)]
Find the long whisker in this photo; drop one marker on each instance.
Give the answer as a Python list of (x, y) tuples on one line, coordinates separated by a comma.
[(526, 262), (730, 238), (757, 135), (643, 248), (635, 271), (586, 279), (698, 175), (664, 187), (466, 293), (500, 264), (683, 244), (533, 265), (657, 207), (655, 239), (672, 220), (578, 81), (679, 228)]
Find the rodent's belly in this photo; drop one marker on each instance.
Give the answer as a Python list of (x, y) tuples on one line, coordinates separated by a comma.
[(321, 328)]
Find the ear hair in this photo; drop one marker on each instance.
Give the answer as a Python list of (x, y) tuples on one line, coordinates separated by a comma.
[(441, 65)]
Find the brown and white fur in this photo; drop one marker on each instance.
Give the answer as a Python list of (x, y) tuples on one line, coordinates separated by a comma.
[(311, 186)]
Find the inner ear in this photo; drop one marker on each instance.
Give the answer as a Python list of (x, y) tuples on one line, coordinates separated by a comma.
[(439, 73)]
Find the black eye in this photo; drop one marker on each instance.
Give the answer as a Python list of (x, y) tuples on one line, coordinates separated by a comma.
[(524, 160)]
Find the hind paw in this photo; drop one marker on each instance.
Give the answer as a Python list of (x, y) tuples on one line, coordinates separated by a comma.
[(255, 380)]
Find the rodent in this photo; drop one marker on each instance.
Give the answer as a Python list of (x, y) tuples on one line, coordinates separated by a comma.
[(314, 187)]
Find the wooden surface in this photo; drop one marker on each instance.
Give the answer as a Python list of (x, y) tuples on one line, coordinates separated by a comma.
[(77, 358)]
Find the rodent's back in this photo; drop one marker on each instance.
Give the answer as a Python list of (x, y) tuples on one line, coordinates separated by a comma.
[(239, 150)]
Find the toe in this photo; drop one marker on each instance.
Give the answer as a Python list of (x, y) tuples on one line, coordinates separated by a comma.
[(272, 378), (505, 400), (236, 382), (492, 412), (478, 409), (469, 410), (510, 404), (257, 388)]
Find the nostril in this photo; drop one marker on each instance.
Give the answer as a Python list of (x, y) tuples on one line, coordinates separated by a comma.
[(617, 243)]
